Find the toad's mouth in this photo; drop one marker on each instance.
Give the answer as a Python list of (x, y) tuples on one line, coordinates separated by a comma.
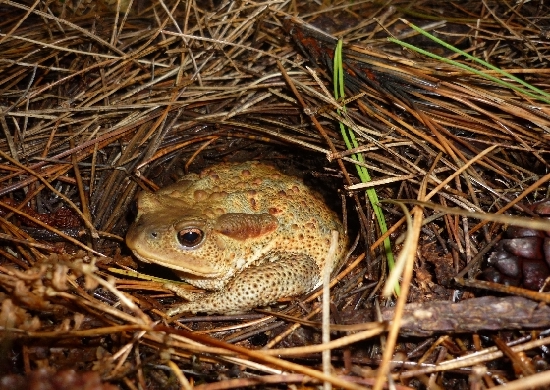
[(189, 266)]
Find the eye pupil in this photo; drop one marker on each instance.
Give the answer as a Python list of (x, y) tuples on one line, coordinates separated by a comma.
[(190, 237)]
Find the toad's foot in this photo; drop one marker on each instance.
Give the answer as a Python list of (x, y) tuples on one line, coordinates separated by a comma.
[(283, 275)]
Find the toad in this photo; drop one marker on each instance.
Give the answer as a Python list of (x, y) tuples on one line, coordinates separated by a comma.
[(244, 231)]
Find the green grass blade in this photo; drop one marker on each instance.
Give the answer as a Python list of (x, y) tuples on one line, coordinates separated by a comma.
[(539, 94), (351, 142)]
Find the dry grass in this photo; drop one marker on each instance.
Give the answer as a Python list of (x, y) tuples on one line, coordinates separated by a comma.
[(97, 104)]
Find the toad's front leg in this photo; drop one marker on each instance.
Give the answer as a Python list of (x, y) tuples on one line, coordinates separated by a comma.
[(281, 276)]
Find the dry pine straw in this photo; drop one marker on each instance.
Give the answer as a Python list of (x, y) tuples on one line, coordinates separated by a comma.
[(94, 103)]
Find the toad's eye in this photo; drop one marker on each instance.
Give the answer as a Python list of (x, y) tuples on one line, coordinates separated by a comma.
[(190, 237)]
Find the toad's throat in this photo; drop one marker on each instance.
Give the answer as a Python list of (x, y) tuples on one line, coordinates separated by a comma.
[(190, 268)]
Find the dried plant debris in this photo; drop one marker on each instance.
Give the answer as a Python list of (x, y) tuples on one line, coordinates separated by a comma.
[(102, 99), (523, 258), (44, 379), (472, 315)]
